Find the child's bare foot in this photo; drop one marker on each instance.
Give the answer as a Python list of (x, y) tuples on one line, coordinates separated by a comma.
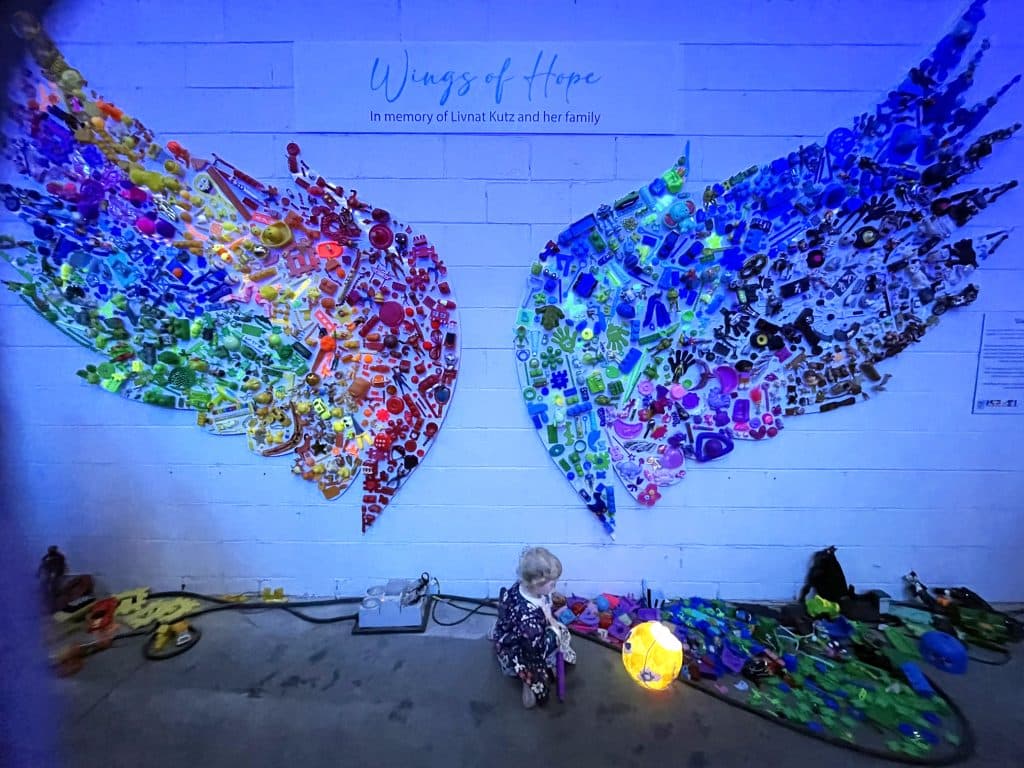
[(529, 697)]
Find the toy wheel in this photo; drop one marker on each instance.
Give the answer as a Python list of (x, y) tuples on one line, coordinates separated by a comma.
[(841, 141), (184, 642)]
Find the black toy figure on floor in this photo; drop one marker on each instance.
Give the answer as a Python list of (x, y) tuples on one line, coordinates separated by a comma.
[(527, 637), (59, 590), (51, 575), (827, 579)]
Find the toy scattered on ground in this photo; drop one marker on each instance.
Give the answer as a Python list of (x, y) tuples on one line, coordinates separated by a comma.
[(95, 626), (848, 681), (959, 609), (306, 319), (854, 683), (62, 591), (137, 610), (170, 640), (164, 619), (662, 329)]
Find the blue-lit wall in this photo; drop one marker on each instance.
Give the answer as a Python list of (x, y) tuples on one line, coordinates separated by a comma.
[(909, 479)]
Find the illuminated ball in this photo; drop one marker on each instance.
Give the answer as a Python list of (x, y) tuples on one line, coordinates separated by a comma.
[(652, 655)]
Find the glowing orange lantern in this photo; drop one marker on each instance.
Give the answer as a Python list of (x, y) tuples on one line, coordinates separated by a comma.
[(652, 655)]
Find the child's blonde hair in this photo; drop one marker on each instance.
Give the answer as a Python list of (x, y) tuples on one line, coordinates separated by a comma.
[(538, 566)]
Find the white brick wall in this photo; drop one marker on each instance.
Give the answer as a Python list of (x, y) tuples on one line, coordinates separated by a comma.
[(908, 480)]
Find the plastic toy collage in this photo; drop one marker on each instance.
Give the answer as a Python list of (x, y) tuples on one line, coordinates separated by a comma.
[(661, 330), (657, 332), (306, 319), (848, 682)]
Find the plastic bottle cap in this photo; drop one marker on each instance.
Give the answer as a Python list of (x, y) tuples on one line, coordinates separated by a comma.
[(391, 313), (381, 236)]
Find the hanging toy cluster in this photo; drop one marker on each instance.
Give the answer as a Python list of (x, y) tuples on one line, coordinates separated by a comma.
[(306, 319), (661, 329)]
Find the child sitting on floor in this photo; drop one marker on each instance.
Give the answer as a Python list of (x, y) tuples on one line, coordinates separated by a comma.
[(527, 637)]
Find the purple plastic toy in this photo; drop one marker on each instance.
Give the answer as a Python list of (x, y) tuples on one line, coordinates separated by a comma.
[(560, 672)]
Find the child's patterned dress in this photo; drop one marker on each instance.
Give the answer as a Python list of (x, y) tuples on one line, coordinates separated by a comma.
[(526, 643)]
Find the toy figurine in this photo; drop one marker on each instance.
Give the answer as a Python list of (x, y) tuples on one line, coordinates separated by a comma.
[(61, 591), (51, 574), (527, 637)]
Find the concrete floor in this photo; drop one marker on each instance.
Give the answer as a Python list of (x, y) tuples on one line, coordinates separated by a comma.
[(268, 690)]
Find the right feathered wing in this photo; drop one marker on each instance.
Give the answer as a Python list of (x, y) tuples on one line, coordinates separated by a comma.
[(661, 328)]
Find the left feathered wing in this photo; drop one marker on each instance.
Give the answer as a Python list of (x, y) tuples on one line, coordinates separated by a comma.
[(660, 328), (304, 318)]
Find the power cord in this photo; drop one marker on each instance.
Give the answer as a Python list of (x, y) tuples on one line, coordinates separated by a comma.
[(253, 604), (221, 604), (421, 590), (470, 612), (449, 600), (996, 648)]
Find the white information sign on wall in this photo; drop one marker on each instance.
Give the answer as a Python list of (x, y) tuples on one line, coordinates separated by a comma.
[(999, 383), (463, 87)]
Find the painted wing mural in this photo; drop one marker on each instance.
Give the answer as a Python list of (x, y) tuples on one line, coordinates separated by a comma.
[(662, 330), (305, 319)]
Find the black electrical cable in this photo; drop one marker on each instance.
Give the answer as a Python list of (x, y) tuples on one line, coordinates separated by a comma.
[(193, 595), (224, 601), (485, 601), (448, 600), (229, 605), (319, 619), (1006, 655), (470, 612), (286, 607), (1005, 660), (137, 633)]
